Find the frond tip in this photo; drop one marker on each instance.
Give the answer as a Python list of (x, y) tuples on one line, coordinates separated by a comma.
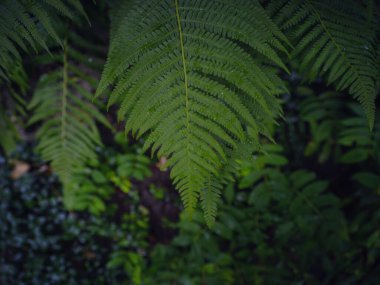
[(192, 77)]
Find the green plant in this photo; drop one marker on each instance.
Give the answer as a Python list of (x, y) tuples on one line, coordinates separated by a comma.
[(280, 226), (68, 135), (355, 133), (334, 40), (41, 242), (192, 83), (26, 25), (96, 184), (189, 61), (199, 81)]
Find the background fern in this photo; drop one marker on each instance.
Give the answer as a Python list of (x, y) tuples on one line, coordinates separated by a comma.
[(195, 82), (28, 25), (336, 40), (68, 135)]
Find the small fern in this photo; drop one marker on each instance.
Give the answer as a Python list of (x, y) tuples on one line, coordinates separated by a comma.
[(68, 135), (194, 78), (333, 39), (323, 114), (355, 137), (27, 25)]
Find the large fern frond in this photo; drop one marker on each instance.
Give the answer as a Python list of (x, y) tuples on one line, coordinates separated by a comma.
[(334, 39), (27, 25), (191, 78), (68, 135)]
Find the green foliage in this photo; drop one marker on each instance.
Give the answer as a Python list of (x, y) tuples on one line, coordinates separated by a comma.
[(9, 135), (95, 185), (199, 81), (130, 261), (323, 114), (68, 135), (43, 243), (338, 129), (28, 25), (231, 97), (280, 227), (278, 224), (12, 108), (197, 84), (336, 40), (355, 133)]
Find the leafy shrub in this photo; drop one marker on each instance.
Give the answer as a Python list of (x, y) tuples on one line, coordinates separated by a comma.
[(43, 243), (279, 228)]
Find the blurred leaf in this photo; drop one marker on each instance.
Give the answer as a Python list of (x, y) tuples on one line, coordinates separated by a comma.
[(277, 160), (260, 197), (354, 156), (368, 179), (250, 179), (98, 177)]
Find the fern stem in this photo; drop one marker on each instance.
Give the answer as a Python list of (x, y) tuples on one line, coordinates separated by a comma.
[(319, 18), (189, 207), (184, 65), (64, 95)]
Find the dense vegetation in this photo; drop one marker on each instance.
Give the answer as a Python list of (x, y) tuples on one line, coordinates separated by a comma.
[(264, 111)]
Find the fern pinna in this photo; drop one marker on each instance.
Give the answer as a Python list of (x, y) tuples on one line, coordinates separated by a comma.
[(195, 79), (68, 135)]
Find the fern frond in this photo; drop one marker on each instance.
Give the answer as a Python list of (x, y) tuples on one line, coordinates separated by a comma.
[(192, 77), (333, 39), (25, 25), (68, 135)]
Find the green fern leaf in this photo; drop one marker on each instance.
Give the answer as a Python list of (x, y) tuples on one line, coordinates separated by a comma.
[(333, 39), (192, 77), (68, 135)]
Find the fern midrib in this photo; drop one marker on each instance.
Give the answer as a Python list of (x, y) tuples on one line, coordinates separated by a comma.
[(319, 18), (182, 46), (64, 96), (350, 66), (183, 65)]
